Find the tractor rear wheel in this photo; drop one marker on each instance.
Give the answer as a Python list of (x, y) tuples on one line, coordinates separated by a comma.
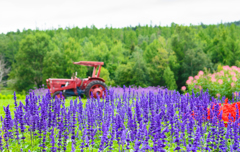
[(96, 88), (58, 95)]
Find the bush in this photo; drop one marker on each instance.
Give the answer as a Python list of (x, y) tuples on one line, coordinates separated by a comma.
[(22, 97), (9, 96), (221, 83), (18, 96), (4, 97)]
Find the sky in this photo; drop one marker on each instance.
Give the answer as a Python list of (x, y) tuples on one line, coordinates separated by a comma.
[(48, 14)]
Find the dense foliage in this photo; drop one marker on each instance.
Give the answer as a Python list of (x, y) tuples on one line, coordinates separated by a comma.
[(141, 55), (166, 121)]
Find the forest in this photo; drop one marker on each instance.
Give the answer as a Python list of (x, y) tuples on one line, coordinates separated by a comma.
[(139, 56)]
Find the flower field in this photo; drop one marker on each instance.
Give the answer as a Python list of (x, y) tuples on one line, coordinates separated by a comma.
[(161, 121)]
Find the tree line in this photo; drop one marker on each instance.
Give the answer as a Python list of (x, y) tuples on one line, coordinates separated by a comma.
[(141, 56)]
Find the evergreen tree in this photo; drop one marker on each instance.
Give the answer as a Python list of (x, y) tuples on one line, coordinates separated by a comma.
[(194, 61), (168, 77)]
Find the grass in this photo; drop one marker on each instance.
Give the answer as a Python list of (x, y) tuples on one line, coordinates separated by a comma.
[(6, 91)]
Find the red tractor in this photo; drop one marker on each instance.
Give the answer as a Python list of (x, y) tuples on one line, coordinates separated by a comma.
[(78, 87)]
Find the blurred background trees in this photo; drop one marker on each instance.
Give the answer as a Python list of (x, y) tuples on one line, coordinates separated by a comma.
[(141, 55), (3, 71)]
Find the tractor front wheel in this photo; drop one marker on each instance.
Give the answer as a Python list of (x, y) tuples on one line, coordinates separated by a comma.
[(97, 88), (58, 95)]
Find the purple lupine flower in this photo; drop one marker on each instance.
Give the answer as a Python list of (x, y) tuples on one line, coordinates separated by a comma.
[(73, 147), (49, 114), (80, 112), (137, 144), (7, 125), (123, 137), (177, 140), (104, 137), (53, 148), (73, 124), (44, 136), (64, 128), (16, 126), (111, 139), (237, 112), (196, 142), (134, 128), (87, 144), (208, 142), (60, 134), (152, 98), (141, 131), (190, 128), (128, 140), (138, 112), (84, 134), (235, 132), (21, 121), (162, 140), (221, 135), (156, 134), (65, 137), (93, 136), (15, 99), (230, 132), (145, 110), (213, 137), (34, 126), (145, 143), (119, 127), (1, 144), (183, 133), (231, 148)]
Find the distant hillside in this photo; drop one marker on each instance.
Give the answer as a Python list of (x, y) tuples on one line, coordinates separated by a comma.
[(237, 23)]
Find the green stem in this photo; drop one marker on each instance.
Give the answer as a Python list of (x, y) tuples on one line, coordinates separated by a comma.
[(31, 139), (23, 136)]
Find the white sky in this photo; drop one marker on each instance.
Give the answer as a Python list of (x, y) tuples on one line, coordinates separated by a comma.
[(45, 14)]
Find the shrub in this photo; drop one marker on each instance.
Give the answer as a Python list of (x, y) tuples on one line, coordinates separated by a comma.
[(9, 96), (4, 97), (22, 97), (18, 96), (223, 82)]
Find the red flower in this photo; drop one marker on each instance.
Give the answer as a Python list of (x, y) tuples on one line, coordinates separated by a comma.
[(226, 109)]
